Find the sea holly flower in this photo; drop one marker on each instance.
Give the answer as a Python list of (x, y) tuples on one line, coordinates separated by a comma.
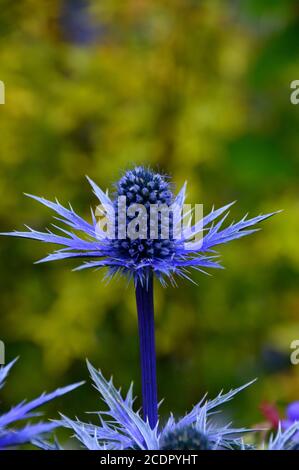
[(142, 247), (11, 436), (120, 427)]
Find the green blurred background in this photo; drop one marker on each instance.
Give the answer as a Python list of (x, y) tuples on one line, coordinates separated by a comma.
[(198, 89)]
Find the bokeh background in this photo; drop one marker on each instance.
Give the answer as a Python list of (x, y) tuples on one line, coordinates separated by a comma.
[(200, 90)]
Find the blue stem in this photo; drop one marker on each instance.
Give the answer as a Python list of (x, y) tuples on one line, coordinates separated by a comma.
[(146, 326)]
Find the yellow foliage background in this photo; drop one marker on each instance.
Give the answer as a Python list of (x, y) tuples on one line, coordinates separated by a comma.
[(200, 90)]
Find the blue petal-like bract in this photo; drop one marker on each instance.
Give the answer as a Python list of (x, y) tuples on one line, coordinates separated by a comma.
[(120, 427), (285, 440), (22, 436), (9, 436), (4, 371)]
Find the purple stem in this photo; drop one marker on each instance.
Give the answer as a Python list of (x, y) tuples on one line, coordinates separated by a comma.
[(146, 326)]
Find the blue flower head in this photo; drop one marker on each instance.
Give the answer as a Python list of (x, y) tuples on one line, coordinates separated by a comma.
[(145, 188), (12, 436), (292, 417), (185, 438), (292, 413), (139, 256)]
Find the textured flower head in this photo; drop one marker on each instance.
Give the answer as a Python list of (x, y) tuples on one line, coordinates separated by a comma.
[(143, 186), (156, 248), (143, 189), (186, 438), (11, 436)]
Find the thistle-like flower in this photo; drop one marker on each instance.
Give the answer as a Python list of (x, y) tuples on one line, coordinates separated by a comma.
[(11, 436), (120, 427), (140, 257), (142, 247)]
